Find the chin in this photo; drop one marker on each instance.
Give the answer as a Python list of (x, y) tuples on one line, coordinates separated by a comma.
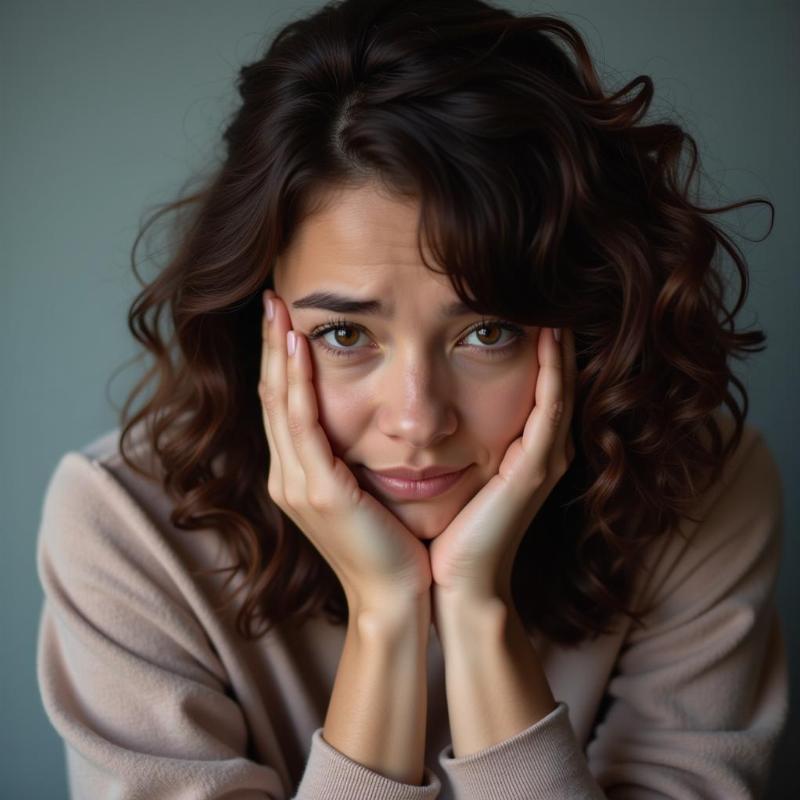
[(427, 533)]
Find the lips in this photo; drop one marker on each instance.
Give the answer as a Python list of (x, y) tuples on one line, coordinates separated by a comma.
[(403, 489), (402, 473)]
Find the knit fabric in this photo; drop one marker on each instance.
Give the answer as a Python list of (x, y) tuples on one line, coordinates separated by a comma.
[(156, 696)]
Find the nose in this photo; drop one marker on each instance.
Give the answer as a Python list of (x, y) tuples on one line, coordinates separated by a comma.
[(417, 402)]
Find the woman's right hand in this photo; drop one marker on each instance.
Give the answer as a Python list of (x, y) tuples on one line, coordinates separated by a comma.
[(376, 558)]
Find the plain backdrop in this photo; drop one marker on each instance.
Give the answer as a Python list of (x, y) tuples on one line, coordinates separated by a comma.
[(108, 107)]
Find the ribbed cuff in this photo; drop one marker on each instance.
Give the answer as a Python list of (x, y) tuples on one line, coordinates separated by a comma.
[(543, 762), (331, 775)]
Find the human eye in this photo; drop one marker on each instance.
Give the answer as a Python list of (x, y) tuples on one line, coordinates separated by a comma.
[(339, 325), (336, 326), (518, 335)]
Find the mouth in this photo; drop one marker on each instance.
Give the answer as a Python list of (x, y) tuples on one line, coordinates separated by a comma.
[(402, 489)]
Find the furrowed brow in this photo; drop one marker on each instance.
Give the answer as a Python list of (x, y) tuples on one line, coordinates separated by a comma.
[(330, 301)]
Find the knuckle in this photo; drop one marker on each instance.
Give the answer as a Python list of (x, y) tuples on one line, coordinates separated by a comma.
[(539, 476), (275, 490), (269, 397), (318, 499), (295, 496), (294, 425)]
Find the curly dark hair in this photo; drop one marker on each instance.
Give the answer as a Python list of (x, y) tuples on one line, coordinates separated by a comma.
[(541, 194)]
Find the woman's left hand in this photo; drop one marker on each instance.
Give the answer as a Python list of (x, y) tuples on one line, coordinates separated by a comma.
[(472, 558)]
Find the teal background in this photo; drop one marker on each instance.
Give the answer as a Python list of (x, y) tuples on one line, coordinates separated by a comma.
[(108, 107)]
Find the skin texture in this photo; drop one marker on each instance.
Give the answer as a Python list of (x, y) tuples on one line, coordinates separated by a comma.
[(414, 385), (417, 389)]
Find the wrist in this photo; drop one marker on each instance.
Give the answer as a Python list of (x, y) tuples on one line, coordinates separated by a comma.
[(469, 615), (484, 602), (391, 615)]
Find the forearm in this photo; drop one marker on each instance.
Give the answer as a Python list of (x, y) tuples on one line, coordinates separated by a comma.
[(378, 707), (495, 684)]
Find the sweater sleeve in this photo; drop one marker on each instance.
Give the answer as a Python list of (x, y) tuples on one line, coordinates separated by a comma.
[(699, 695), (128, 676)]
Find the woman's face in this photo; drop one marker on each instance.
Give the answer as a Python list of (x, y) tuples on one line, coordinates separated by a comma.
[(405, 386)]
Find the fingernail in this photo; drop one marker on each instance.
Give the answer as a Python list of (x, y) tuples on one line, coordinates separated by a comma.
[(557, 334), (270, 310), (291, 342)]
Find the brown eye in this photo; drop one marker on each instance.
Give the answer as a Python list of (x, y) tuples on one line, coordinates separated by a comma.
[(340, 344), (488, 344), (345, 341), (493, 340)]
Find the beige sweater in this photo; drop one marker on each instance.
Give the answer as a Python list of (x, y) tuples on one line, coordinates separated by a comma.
[(155, 696)]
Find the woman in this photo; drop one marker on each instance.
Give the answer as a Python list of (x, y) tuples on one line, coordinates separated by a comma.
[(435, 245)]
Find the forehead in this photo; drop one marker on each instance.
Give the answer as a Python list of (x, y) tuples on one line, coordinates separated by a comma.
[(362, 241)]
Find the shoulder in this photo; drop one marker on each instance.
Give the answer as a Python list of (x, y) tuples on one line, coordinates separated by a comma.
[(750, 483), (81, 496), (100, 514), (736, 528), (751, 478), (91, 482)]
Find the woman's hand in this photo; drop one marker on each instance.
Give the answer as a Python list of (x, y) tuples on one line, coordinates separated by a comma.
[(473, 557), (378, 560)]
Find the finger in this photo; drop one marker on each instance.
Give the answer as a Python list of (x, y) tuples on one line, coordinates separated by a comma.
[(569, 375), (309, 439), (263, 381), (543, 426), (291, 471)]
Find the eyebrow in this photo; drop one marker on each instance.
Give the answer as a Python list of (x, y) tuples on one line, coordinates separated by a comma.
[(330, 301)]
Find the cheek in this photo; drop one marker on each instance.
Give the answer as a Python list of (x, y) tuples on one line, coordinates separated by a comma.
[(499, 410), (342, 407)]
